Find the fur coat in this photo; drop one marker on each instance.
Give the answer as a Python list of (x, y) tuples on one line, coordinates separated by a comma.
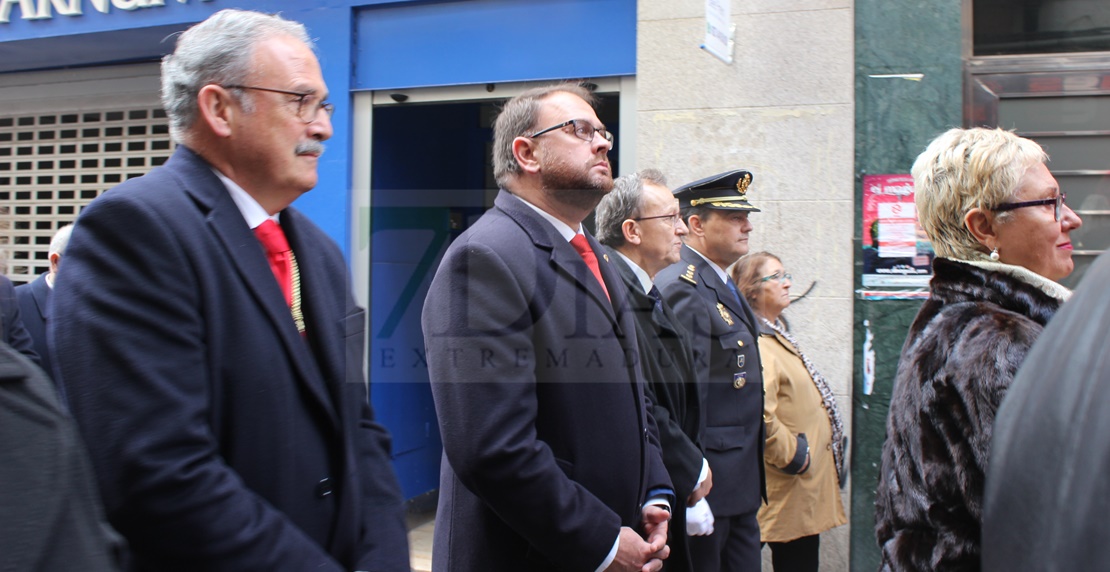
[(963, 350)]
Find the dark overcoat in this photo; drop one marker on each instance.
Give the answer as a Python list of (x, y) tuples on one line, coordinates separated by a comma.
[(222, 438), (723, 334), (51, 519), (34, 310), (12, 329), (549, 446), (959, 358), (1048, 495), (667, 362)]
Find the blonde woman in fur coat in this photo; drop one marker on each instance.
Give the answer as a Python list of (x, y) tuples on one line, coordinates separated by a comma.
[(1000, 229)]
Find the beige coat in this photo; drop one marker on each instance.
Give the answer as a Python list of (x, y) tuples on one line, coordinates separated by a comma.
[(809, 503)]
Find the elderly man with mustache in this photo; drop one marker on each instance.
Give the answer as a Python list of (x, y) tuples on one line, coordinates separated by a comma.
[(207, 338)]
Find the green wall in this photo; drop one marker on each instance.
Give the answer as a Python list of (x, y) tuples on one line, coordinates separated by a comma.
[(895, 119)]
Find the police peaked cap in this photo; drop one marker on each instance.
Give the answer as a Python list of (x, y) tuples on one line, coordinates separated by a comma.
[(726, 191)]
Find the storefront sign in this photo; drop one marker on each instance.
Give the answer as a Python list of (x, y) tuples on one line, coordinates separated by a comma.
[(46, 9), (896, 251)]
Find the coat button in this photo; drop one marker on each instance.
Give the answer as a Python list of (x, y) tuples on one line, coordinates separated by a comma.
[(324, 487), (740, 343)]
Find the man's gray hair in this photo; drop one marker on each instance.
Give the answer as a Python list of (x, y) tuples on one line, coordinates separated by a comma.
[(219, 50), (60, 240), (625, 201), (517, 118)]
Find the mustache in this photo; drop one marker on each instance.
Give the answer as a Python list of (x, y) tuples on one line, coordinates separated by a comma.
[(310, 146)]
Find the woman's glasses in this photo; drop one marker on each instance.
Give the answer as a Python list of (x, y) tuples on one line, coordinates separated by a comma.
[(1057, 201), (778, 277)]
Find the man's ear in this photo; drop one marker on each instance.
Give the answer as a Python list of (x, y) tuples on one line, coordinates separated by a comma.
[(631, 232), (526, 153), (694, 225), (216, 109), (981, 225)]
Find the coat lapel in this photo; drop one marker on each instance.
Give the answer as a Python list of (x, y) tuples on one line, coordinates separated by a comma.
[(40, 292), (245, 253), (565, 257), (708, 276), (317, 310), (638, 300)]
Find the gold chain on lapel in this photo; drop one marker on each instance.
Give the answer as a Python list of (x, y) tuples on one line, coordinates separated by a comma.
[(295, 306)]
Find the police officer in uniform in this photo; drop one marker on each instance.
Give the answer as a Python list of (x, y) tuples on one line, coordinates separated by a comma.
[(723, 332)]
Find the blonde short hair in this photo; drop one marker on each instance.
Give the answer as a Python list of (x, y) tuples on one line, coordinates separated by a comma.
[(963, 169)]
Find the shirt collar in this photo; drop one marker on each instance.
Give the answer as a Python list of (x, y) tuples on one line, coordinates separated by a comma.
[(252, 212), (565, 231), (641, 274)]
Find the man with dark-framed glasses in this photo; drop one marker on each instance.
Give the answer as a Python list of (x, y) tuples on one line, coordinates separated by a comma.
[(551, 455)]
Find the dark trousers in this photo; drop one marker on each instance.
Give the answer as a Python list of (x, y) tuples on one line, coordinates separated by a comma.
[(799, 555), (733, 547)]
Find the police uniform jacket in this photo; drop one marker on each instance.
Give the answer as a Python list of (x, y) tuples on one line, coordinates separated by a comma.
[(723, 336)]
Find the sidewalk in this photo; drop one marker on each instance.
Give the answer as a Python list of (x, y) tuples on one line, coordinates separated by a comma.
[(421, 526)]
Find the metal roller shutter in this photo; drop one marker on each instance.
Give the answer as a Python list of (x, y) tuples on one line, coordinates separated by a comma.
[(55, 159)]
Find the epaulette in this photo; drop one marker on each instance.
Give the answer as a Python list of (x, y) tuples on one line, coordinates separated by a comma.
[(689, 275)]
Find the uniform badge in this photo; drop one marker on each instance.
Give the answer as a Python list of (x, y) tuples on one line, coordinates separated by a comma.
[(724, 313), (689, 275), (740, 360), (739, 380), (606, 257)]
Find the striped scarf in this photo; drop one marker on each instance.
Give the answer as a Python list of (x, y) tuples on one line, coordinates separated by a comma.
[(827, 399)]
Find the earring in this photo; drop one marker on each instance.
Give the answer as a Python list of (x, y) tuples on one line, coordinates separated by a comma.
[(994, 254)]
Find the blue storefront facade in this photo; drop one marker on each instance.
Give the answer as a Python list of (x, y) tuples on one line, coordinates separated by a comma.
[(415, 85)]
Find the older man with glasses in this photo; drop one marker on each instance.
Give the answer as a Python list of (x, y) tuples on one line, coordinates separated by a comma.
[(207, 337), (642, 229)]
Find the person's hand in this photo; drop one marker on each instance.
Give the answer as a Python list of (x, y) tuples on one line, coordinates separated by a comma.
[(699, 519), (656, 522), (703, 489), (634, 554)]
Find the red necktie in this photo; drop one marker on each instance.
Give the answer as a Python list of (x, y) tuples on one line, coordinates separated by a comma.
[(277, 248), (579, 243)]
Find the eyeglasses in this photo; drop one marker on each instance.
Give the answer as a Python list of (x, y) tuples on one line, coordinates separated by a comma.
[(780, 278), (1057, 202), (308, 105), (675, 217), (583, 129)]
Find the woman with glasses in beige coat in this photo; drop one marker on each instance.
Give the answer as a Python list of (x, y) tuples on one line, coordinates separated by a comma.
[(804, 453)]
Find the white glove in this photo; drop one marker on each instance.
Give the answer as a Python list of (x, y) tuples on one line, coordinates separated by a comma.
[(699, 519)]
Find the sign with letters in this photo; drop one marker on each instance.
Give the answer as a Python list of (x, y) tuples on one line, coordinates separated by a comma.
[(896, 251), (47, 9)]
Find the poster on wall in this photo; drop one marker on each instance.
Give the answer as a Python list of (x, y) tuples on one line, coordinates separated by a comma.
[(896, 251)]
